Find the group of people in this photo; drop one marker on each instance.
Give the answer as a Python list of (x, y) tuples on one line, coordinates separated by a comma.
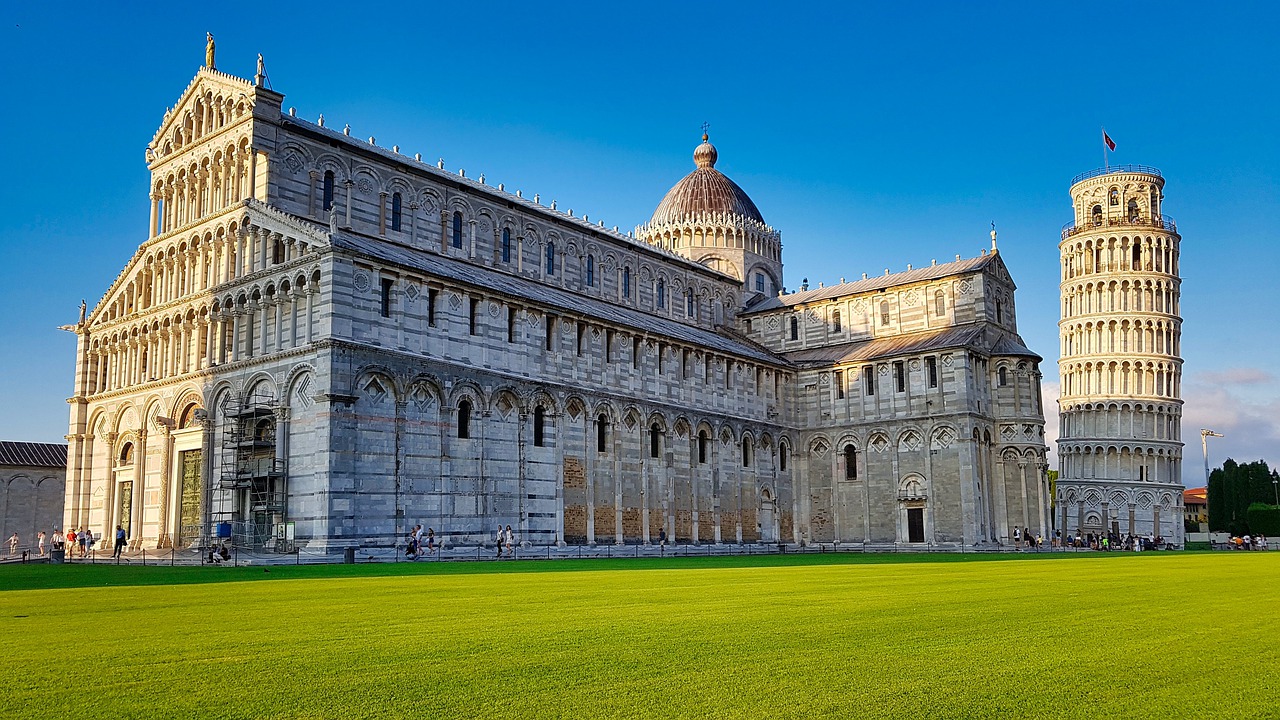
[(1248, 542), (1111, 541), (506, 540), (416, 542), (1022, 537), (77, 541)]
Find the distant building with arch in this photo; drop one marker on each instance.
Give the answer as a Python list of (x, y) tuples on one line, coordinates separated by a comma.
[(324, 342), (32, 477)]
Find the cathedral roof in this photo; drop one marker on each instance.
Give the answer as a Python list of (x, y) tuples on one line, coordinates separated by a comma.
[(963, 336), (560, 300), (705, 191), (31, 454), (923, 274)]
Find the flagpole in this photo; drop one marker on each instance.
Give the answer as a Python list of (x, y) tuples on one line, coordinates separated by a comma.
[(1105, 160)]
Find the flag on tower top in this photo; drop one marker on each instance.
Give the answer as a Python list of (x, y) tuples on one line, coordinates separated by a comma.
[(1111, 144)]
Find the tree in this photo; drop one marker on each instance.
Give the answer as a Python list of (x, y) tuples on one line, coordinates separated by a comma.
[(1232, 489)]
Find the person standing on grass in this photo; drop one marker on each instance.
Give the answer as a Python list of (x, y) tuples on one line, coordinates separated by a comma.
[(40, 543), (89, 539), (431, 540), (501, 538), (510, 539), (71, 542), (662, 537), (120, 541), (82, 537)]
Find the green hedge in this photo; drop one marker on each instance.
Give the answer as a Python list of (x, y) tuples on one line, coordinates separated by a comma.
[(1264, 519)]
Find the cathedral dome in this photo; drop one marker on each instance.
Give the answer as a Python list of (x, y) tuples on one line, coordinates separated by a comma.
[(704, 191)]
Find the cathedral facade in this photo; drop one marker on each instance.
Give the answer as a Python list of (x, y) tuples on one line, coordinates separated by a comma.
[(324, 342)]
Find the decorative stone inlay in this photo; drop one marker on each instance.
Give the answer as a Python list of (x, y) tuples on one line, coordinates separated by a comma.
[(293, 162), (494, 308), (455, 300), (411, 292), (365, 186), (911, 298), (965, 286), (361, 281)]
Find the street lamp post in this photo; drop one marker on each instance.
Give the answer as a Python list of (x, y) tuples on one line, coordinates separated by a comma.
[(1204, 447), (1275, 485)]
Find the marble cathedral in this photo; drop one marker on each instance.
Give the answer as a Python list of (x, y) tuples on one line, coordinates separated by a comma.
[(323, 342)]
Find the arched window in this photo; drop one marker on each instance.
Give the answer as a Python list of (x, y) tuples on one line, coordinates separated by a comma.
[(328, 190), (759, 282), (591, 271), (1097, 214), (1137, 256), (884, 312), (457, 229), (795, 328), (1114, 197), (506, 245), (939, 303), (688, 302), (464, 419), (602, 433), (626, 282), (850, 462), (662, 293), (655, 440), (1133, 210), (746, 452), (126, 454), (835, 321), (539, 426), (396, 203), (1003, 374), (703, 441), (783, 452)]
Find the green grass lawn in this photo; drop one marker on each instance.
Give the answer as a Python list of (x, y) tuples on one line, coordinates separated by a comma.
[(1153, 635)]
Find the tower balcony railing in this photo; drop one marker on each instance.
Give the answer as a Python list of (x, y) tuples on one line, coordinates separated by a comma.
[(1163, 222), (1147, 169)]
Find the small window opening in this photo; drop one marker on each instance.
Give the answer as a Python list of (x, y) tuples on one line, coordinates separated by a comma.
[(511, 324), (473, 319), (868, 380), (328, 190), (431, 307), (702, 447), (457, 229), (837, 379), (385, 300), (655, 440), (602, 433), (464, 419), (900, 375), (931, 366), (539, 426), (850, 462), (396, 211)]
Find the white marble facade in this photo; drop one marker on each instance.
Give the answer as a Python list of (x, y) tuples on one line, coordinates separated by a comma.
[(1120, 440), (327, 338)]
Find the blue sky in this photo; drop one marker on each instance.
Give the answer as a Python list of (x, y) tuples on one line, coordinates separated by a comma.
[(872, 136)]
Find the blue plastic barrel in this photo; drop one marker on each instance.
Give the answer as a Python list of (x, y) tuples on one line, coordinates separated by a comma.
[(224, 529)]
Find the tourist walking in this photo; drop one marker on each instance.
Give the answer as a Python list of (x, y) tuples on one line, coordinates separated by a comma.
[(89, 540), (510, 539), (662, 538), (82, 537), (120, 541), (71, 541), (13, 544), (501, 538), (431, 540)]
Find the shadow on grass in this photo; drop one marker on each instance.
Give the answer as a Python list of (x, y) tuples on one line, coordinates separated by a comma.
[(79, 575)]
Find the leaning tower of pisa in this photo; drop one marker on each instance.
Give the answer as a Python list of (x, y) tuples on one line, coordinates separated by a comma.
[(1120, 435)]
